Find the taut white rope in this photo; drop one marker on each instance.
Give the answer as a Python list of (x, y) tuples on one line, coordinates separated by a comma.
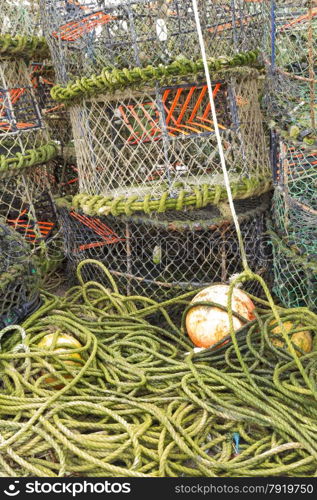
[(219, 142)]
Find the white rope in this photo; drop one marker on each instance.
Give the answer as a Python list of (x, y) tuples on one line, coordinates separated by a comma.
[(218, 136)]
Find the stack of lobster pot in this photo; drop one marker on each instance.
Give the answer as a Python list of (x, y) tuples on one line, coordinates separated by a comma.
[(151, 202), (291, 103), (25, 150)]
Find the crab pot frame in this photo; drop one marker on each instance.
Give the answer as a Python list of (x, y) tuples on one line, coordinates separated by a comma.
[(294, 209), (170, 253), (21, 124), (159, 142), (19, 278), (295, 275), (293, 80), (13, 248), (19, 112), (87, 35)]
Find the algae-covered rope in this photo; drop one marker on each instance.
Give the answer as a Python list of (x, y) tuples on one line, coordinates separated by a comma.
[(137, 404)]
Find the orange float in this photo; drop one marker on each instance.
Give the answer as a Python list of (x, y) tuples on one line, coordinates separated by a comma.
[(206, 326)]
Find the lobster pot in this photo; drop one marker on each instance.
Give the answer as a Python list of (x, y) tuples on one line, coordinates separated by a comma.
[(24, 154), (295, 275), (295, 169), (159, 143), (19, 278), (19, 18), (293, 64), (294, 209), (57, 122), (87, 35), (170, 253)]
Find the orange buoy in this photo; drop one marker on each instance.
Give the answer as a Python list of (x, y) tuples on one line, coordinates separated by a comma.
[(206, 325)]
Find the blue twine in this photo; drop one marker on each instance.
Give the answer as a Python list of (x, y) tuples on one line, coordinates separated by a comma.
[(236, 440)]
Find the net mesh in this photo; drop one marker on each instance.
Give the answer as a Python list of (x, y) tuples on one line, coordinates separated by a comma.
[(57, 121), (146, 143), (295, 275), (88, 35), (21, 126), (19, 278), (293, 72), (294, 216), (19, 17), (165, 254), (295, 202)]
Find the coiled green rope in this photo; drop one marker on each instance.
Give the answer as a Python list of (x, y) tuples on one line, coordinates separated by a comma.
[(141, 402)]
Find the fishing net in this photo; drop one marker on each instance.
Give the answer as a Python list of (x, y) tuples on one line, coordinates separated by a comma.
[(155, 149), (168, 253), (293, 66), (87, 35), (19, 278)]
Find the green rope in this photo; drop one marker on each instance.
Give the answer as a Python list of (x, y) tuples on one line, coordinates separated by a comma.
[(140, 402), (200, 197), (119, 79), (14, 165), (24, 46)]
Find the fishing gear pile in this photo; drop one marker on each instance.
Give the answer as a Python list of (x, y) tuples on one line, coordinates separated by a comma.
[(99, 383)]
